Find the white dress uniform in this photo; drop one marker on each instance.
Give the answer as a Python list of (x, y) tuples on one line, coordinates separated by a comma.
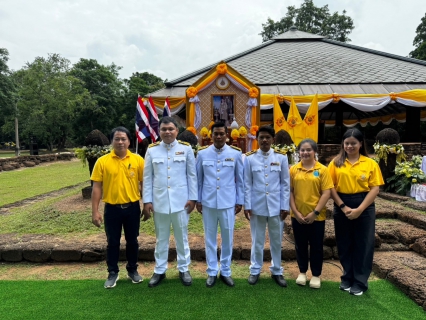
[(220, 188), (266, 193), (169, 181)]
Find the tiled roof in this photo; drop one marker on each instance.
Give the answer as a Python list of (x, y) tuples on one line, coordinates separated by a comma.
[(300, 58)]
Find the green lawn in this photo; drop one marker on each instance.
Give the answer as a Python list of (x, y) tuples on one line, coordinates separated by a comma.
[(17, 185), (44, 217), (87, 299)]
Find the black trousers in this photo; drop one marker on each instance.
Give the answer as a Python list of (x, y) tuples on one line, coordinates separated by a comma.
[(355, 241), (312, 235), (116, 219)]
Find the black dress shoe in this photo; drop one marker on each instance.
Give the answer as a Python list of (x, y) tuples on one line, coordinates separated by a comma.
[(253, 279), (211, 281), (279, 279), (156, 279), (186, 278), (227, 280)]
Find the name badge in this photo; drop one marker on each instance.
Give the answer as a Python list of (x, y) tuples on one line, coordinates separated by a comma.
[(275, 164), (179, 153), (229, 159)]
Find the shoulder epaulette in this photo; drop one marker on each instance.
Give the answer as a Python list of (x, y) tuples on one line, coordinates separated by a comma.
[(280, 152), (154, 144), (250, 153), (234, 147), (202, 148), (183, 142)]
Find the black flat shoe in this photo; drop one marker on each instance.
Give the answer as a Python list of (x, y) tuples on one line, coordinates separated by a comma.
[(227, 280), (279, 279), (156, 279), (211, 281), (186, 278), (253, 278)]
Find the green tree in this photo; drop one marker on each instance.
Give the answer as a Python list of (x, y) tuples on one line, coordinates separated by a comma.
[(309, 18), (106, 89), (420, 41), (7, 97), (49, 99)]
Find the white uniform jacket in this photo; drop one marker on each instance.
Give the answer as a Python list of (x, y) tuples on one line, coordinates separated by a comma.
[(169, 176), (266, 183), (220, 177)]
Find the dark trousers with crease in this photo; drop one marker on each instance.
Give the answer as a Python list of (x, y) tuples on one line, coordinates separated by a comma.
[(311, 235), (355, 241), (116, 220)]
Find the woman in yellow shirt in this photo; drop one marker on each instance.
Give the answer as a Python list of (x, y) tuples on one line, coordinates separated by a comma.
[(310, 185), (356, 179)]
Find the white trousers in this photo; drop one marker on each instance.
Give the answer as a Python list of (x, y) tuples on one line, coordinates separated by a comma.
[(162, 222), (226, 220), (258, 230)]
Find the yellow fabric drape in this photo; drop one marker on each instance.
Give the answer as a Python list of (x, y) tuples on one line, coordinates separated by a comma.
[(310, 122), (174, 101), (418, 95), (191, 115), (295, 124)]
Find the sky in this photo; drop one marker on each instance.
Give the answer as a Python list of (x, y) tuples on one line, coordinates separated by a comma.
[(173, 38)]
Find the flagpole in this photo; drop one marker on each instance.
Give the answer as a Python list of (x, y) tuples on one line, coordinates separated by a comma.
[(137, 140)]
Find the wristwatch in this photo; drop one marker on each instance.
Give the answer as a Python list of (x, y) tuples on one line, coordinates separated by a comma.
[(316, 212), (342, 205)]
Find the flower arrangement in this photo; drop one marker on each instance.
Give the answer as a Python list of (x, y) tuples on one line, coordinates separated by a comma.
[(221, 68), (192, 129), (195, 149), (204, 132), (382, 151), (235, 134), (91, 152), (406, 173), (191, 92), (253, 130), (253, 92), (287, 149), (243, 131), (10, 144)]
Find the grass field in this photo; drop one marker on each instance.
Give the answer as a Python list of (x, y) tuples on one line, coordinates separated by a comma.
[(87, 299), (17, 185)]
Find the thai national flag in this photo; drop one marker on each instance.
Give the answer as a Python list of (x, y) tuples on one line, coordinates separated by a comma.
[(153, 118), (166, 110), (143, 128)]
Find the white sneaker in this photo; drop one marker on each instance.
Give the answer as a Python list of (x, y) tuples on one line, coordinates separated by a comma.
[(315, 283), (301, 279)]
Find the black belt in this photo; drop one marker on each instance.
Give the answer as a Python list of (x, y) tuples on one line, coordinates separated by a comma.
[(122, 205)]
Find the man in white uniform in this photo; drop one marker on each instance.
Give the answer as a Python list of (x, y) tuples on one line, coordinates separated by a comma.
[(266, 202), (170, 192), (220, 198)]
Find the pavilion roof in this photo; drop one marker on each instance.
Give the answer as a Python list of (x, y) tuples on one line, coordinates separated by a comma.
[(301, 63)]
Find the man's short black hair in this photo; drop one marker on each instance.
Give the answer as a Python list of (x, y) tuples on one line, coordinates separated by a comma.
[(219, 125), (266, 129), (120, 129), (168, 120)]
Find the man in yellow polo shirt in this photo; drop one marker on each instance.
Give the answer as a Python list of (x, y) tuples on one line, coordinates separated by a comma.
[(117, 178)]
